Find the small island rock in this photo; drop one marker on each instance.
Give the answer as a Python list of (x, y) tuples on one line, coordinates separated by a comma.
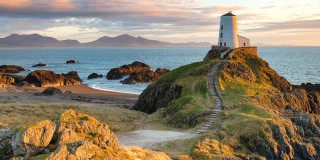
[(118, 73), (95, 75), (71, 62), (39, 65)]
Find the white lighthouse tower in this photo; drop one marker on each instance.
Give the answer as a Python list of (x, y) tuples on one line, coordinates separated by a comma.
[(228, 33)]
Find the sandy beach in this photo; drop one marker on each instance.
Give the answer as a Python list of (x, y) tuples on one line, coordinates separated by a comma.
[(79, 94)]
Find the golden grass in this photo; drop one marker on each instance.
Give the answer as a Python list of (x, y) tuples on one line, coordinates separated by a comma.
[(177, 148), (17, 114)]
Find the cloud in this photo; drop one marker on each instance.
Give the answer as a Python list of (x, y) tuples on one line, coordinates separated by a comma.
[(218, 10), (282, 26)]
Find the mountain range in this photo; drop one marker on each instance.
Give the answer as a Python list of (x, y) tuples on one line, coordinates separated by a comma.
[(125, 40)]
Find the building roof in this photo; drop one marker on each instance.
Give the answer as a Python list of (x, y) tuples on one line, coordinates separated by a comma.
[(243, 37), (229, 14)]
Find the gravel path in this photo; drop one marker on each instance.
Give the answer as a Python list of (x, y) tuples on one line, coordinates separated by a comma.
[(148, 138)]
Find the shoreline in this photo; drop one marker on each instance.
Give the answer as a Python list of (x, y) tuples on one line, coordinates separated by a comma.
[(80, 94)]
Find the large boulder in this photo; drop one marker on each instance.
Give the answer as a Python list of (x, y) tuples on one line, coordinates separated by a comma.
[(45, 78), (34, 139), (6, 80), (85, 127), (95, 75), (72, 78), (118, 73), (39, 65), (11, 69), (51, 91), (145, 76)]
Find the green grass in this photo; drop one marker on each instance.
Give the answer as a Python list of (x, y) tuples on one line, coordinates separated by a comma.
[(176, 148), (40, 157)]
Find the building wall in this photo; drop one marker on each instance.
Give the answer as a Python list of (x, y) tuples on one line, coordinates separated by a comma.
[(243, 42), (229, 32)]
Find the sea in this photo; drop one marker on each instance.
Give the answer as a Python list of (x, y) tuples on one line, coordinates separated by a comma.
[(297, 64)]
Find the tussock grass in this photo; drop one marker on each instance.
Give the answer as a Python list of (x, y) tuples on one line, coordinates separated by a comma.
[(17, 114)]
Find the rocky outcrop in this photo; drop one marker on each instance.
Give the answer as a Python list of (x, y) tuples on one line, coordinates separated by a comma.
[(248, 66), (39, 65), (11, 69), (215, 52), (293, 138), (145, 76), (71, 62), (95, 75), (45, 78), (118, 73), (309, 87), (6, 80), (71, 136), (34, 139), (51, 91)]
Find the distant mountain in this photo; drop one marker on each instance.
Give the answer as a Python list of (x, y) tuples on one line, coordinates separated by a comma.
[(36, 40)]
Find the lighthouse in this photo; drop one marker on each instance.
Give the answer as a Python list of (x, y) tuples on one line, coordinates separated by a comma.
[(228, 32)]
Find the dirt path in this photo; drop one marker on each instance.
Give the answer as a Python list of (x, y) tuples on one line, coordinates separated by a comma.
[(148, 138)]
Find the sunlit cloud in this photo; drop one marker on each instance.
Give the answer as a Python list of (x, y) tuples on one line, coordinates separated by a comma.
[(168, 20)]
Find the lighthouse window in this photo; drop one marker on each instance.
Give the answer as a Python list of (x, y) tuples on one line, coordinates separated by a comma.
[(221, 35), (220, 43), (221, 28), (225, 43)]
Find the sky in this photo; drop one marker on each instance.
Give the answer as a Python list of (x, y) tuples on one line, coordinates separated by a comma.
[(274, 22)]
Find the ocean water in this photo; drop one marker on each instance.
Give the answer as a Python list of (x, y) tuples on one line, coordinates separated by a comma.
[(297, 64)]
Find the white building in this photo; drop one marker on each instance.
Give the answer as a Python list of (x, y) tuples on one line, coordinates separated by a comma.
[(228, 33)]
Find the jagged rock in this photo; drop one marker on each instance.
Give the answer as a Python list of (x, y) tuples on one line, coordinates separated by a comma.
[(51, 91), (145, 76), (95, 75), (39, 65), (71, 62), (118, 73), (11, 69), (6, 80), (88, 128), (61, 153), (309, 87), (34, 139), (45, 78)]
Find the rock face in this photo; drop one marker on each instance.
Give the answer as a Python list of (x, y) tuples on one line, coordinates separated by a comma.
[(51, 91), (10, 69), (45, 78), (294, 138), (215, 52), (39, 65), (118, 73), (34, 139), (145, 76), (6, 80), (95, 75)]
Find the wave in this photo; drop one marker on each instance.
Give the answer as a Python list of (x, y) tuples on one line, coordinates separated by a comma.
[(95, 86)]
